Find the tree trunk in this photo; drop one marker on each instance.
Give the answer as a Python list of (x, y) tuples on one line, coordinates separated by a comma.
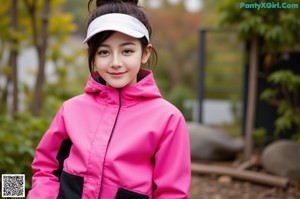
[(251, 101), (4, 95), (13, 59), (248, 176), (41, 44)]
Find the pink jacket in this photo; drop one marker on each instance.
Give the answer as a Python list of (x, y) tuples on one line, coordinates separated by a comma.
[(114, 143)]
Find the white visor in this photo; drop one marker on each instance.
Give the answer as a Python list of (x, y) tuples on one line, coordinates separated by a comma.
[(117, 22)]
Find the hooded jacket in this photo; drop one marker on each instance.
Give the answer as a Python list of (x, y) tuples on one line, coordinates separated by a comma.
[(114, 143)]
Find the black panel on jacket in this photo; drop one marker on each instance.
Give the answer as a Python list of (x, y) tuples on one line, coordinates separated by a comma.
[(71, 186), (63, 153), (126, 194)]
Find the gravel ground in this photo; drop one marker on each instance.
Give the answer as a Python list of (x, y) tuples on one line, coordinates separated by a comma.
[(224, 187)]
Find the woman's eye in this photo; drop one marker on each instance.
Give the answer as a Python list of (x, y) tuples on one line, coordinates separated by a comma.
[(102, 52), (127, 52)]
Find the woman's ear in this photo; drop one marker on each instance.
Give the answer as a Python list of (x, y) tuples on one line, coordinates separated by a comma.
[(147, 53)]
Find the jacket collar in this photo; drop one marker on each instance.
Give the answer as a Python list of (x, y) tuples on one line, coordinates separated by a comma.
[(145, 88)]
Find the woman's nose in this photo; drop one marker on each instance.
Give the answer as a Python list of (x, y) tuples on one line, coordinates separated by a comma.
[(116, 62)]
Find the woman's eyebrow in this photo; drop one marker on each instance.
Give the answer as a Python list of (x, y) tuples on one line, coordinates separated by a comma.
[(127, 43), (122, 44)]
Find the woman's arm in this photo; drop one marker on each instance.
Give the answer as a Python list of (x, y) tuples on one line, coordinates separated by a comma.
[(172, 173), (48, 160)]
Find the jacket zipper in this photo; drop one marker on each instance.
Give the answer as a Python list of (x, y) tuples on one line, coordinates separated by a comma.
[(112, 131)]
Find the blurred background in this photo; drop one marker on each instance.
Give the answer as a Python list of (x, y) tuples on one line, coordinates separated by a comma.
[(225, 67)]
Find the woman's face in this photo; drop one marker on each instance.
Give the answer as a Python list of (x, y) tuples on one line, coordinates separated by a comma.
[(119, 58)]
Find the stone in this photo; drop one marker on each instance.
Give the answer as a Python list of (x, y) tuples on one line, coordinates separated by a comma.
[(225, 179), (212, 144), (282, 158)]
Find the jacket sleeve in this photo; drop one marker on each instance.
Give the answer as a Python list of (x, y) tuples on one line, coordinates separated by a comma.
[(47, 164), (172, 172)]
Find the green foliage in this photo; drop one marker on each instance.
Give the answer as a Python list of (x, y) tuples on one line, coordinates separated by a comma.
[(59, 19), (4, 37), (288, 117), (20, 136), (260, 137), (79, 9), (278, 27), (5, 19), (235, 110), (268, 94), (287, 78), (18, 140), (288, 105), (178, 96)]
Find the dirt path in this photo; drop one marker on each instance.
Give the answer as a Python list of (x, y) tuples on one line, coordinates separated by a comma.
[(224, 187)]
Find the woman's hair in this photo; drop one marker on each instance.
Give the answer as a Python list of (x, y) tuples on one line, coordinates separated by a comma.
[(128, 7)]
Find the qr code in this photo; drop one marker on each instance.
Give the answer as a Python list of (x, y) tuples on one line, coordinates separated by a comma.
[(13, 185)]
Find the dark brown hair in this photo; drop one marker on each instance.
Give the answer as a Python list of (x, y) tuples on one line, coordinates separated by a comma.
[(129, 7)]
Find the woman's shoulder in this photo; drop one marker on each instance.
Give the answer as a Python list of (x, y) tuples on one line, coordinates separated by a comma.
[(79, 100), (167, 107)]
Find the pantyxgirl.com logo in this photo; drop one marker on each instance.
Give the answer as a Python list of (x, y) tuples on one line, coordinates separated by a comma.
[(269, 5)]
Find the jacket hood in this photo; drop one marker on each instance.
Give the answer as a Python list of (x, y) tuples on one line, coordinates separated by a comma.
[(144, 88)]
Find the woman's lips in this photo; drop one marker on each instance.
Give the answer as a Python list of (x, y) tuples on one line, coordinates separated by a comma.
[(116, 74)]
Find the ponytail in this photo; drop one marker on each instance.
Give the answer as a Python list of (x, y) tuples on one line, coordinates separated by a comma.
[(103, 2)]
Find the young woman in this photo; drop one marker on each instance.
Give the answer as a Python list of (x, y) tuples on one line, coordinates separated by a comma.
[(120, 139)]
